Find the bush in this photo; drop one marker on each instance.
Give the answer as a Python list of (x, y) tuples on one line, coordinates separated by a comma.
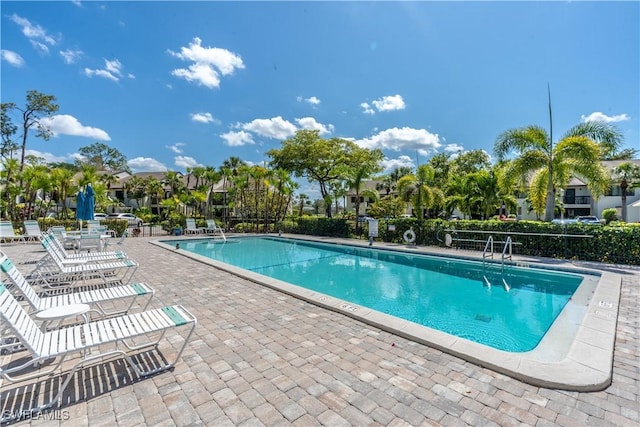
[(610, 214)]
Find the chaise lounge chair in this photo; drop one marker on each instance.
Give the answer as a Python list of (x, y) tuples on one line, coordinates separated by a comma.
[(32, 228), (103, 336), (8, 234), (58, 269), (191, 227), (94, 298)]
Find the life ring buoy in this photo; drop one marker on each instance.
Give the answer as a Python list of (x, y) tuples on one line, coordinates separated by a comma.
[(409, 236), (448, 240)]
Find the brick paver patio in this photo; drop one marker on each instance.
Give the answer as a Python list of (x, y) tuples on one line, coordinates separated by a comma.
[(260, 357)]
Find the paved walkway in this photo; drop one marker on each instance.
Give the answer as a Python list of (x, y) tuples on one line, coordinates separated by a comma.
[(259, 357)]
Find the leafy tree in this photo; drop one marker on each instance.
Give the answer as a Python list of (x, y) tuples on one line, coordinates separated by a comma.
[(322, 160), (419, 190), (387, 207), (9, 181), (103, 157), (442, 165), (470, 162), (628, 174), (7, 131), (38, 105), (135, 187), (550, 165)]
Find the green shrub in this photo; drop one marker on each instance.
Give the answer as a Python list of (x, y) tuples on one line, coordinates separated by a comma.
[(610, 214)]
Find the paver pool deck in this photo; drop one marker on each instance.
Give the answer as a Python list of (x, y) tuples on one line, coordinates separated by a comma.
[(261, 357)]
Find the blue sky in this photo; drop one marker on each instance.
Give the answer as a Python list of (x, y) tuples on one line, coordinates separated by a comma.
[(180, 84)]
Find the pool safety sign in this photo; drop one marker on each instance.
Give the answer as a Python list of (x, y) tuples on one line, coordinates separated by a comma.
[(373, 228)]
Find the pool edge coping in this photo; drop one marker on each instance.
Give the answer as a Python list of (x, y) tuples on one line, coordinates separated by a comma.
[(587, 365)]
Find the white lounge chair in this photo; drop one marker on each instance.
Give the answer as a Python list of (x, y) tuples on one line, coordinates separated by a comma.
[(51, 242), (191, 227), (58, 270), (32, 228), (108, 334), (8, 234), (93, 297)]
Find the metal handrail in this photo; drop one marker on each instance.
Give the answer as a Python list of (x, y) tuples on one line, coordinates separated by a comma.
[(508, 244), (488, 246)]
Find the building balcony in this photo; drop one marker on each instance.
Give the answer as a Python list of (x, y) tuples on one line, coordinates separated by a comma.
[(577, 200)]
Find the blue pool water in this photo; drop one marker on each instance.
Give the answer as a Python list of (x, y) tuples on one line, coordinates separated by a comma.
[(459, 297)]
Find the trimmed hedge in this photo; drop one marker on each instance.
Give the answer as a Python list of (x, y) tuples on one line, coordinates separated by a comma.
[(615, 243)]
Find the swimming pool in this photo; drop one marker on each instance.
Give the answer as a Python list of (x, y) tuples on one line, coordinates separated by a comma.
[(509, 309), (575, 351)]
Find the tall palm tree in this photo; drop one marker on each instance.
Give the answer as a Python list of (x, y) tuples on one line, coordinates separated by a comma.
[(228, 170), (418, 190), (628, 174), (577, 153), (63, 186)]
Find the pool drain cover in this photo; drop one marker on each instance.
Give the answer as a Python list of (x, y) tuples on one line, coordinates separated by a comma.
[(483, 318)]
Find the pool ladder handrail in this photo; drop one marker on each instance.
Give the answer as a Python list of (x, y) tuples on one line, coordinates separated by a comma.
[(488, 253), (488, 249)]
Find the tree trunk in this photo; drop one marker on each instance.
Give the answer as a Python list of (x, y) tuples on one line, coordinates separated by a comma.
[(550, 205), (623, 188)]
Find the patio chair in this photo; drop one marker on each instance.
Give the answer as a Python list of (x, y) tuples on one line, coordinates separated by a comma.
[(105, 336), (32, 228), (51, 242), (94, 297), (191, 227), (60, 270), (212, 228), (8, 234)]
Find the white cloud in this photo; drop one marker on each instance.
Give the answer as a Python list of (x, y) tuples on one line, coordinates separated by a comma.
[(208, 63), (311, 124), (12, 58), (33, 32), (146, 164), (111, 71), (202, 117), (386, 103), (176, 147), (401, 161), (366, 108), (405, 138), (64, 124), (100, 73), (312, 100), (601, 117), (70, 56), (185, 162), (276, 127), (39, 46), (453, 148), (389, 103), (237, 139)]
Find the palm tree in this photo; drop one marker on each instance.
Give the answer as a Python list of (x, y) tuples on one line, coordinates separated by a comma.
[(629, 176), (458, 195), (228, 170), (577, 153), (488, 193), (418, 190), (62, 180)]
